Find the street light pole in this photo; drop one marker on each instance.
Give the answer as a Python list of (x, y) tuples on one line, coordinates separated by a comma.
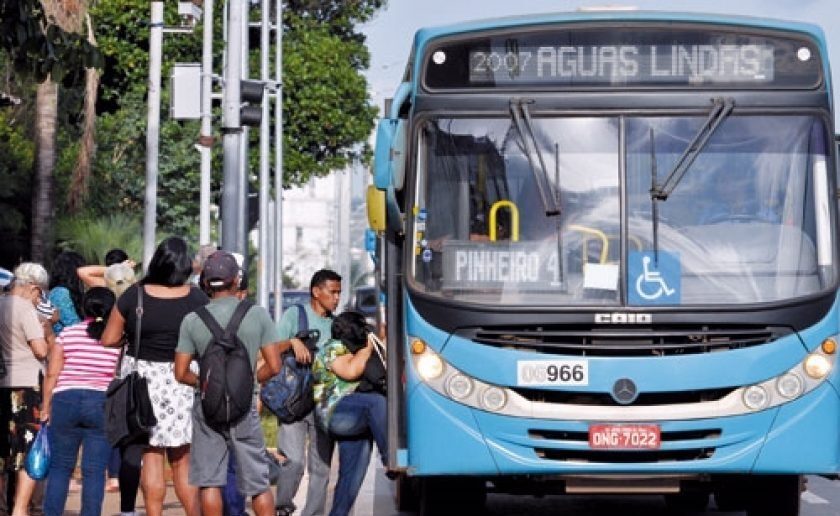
[(152, 133), (265, 183), (231, 129), (278, 163), (206, 140)]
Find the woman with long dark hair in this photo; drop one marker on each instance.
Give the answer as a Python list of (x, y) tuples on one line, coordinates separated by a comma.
[(167, 296), (66, 289), (78, 374)]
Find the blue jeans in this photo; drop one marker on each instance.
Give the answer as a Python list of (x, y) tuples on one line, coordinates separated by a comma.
[(77, 419), (234, 502), (356, 417)]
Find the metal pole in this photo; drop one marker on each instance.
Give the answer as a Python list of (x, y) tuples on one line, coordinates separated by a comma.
[(231, 128), (244, 167), (152, 133), (206, 140), (265, 181), (278, 163)]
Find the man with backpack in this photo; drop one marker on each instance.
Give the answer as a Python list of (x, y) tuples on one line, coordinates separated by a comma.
[(324, 291), (226, 337)]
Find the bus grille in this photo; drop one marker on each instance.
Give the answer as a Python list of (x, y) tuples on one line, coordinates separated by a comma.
[(606, 400), (625, 457), (586, 340), (688, 452)]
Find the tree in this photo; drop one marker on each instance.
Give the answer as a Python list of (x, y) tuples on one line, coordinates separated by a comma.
[(326, 110), (41, 40)]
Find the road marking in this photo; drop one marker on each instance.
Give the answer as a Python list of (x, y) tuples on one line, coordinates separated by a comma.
[(811, 498)]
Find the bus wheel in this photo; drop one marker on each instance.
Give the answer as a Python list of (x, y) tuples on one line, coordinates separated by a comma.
[(775, 495), (454, 496), (731, 500), (406, 493), (732, 492), (687, 502)]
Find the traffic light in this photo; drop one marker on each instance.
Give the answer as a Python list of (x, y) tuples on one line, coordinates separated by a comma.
[(251, 94)]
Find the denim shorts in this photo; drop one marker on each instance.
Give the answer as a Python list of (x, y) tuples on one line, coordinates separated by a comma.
[(210, 452)]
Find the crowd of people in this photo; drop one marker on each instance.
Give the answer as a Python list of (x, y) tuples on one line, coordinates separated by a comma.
[(67, 333)]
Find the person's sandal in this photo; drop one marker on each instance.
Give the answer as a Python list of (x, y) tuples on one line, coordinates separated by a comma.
[(285, 510)]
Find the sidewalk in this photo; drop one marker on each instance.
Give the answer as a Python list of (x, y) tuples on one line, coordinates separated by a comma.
[(375, 497)]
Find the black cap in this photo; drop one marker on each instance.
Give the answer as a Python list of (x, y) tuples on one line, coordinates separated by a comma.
[(220, 269)]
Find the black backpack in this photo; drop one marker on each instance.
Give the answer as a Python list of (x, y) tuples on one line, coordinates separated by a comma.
[(288, 394), (226, 375)]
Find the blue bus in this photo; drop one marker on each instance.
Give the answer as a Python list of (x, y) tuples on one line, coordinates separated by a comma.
[(608, 248)]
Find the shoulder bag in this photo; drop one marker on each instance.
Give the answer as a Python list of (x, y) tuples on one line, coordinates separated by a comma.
[(129, 415)]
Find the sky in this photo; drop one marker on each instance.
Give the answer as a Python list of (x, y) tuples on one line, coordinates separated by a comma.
[(390, 33)]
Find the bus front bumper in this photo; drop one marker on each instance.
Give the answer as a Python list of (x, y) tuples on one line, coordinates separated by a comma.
[(447, 438)]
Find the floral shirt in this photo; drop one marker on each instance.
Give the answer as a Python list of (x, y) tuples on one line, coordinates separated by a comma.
[(329, 389)]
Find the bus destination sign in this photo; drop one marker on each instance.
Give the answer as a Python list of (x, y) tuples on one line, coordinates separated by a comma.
[(492, 265), (599, 58), (622, 64)]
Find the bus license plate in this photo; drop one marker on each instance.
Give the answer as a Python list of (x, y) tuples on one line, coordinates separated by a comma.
[(624, 437), (552, 372)]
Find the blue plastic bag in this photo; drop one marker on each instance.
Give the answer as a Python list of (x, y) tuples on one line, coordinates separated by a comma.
[(37, 462)]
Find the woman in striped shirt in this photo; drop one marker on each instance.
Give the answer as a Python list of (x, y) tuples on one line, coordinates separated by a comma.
[(78, 374)]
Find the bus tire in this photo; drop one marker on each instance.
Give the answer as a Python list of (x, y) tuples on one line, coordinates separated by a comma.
[(687, 502), (731, 500), (775, 495), (455, 496), (406, 493)]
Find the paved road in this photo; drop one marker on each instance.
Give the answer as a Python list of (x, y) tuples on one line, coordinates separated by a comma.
[(822, 498)]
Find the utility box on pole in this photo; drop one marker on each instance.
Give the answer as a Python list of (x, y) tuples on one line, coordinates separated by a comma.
[(185, 84)]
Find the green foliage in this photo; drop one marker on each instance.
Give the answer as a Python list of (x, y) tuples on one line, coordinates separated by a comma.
[(18, 153), (326, 111), (122, 35), (120, 167), (39, 48), (92, 237), (327, 116)]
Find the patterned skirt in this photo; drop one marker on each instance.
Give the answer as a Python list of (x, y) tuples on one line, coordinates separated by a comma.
[(20, 412), (172, 401)]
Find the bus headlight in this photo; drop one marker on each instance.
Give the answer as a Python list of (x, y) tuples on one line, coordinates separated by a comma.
[(493, 398), (430, 366), (459, 386), (756, 397), (790, 385), (816, 366)]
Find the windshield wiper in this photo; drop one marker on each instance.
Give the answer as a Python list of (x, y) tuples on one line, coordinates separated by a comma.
[(721, 109), (654, 208), (524, 126)]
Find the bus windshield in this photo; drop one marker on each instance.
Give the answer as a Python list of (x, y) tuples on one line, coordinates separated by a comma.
[(749, 222)]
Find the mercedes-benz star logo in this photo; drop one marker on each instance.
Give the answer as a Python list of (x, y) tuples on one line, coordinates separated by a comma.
[(625, 391)]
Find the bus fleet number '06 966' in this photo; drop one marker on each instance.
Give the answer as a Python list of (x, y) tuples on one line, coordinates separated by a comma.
[(552, 372)]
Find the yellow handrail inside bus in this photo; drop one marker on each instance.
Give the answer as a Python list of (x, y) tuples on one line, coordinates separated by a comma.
[(605, 242), (514, 219)]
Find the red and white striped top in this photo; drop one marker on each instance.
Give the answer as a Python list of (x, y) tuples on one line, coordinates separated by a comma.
[(87, 363)]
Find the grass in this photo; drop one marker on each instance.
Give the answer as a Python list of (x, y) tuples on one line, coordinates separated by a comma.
[(269, 427)]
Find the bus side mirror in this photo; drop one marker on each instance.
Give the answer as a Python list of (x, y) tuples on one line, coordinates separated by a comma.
[(389, 155), (398, 154), (382, 153), (837, 163)]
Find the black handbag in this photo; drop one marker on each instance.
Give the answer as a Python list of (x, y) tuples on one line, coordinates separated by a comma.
[(129, 415)]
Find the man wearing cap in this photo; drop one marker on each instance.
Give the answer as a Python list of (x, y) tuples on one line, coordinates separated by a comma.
[(211, 447)]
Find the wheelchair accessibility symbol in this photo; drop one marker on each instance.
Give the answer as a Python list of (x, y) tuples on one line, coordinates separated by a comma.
[(653, 282)]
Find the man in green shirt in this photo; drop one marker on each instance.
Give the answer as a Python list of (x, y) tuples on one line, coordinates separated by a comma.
[(211, 446), (324, 291)]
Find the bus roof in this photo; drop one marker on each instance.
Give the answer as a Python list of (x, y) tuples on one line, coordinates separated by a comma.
[(425, 35)]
